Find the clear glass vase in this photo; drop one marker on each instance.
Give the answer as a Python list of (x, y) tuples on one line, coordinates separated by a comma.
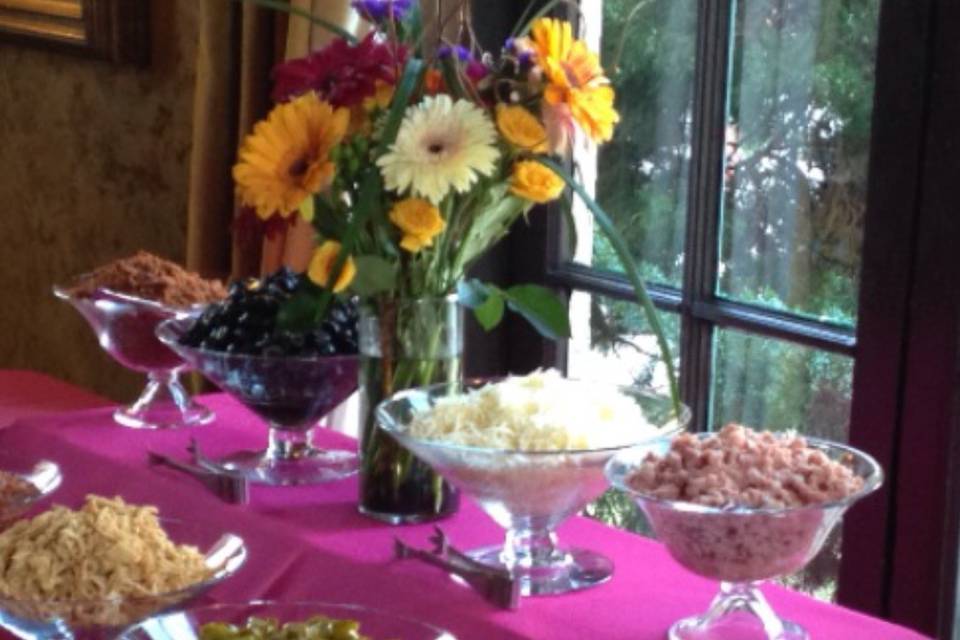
[(404, 343)]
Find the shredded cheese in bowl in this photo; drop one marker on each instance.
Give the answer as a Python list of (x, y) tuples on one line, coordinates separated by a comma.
[(529, 448), (542, 411)]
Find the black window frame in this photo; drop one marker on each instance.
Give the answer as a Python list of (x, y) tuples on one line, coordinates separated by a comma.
[(900, 553), (700, 308)]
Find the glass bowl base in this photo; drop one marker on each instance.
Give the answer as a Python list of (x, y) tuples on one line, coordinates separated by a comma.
[(310, 466), (163, 404), (578, 569), (165, 415), (734, 626)]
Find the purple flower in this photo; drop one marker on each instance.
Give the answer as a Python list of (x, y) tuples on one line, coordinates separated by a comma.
[(462, 53), (476, 71), (380, 10)]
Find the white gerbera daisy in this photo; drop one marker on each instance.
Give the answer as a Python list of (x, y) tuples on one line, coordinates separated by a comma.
[(441, 145)]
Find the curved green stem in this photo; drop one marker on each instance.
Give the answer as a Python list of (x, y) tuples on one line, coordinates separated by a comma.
[(630, 267)]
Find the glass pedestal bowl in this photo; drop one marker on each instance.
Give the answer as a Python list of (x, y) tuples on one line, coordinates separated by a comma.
[(186, 625), (126, 329), (528, 493), (107, 618), (45, 477), (291, 394), (741, 546)]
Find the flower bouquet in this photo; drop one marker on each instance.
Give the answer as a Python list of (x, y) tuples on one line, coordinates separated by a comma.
[(411, 161)]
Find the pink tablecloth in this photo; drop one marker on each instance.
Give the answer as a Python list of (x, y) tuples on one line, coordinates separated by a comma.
[(309, 543), (29, 393)]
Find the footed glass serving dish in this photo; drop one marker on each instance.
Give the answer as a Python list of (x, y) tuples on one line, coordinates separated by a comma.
[(107, 618), (219, 621), (291, 394), (528, 493), (126, 329), (741, 546), (44, 478)]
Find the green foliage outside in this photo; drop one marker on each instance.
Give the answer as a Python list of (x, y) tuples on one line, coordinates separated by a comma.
[(798, 130)]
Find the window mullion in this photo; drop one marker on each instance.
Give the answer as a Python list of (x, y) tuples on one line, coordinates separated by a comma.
[(705, 190)]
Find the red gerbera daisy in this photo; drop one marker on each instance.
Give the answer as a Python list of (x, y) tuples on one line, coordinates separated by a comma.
[(341, 73)]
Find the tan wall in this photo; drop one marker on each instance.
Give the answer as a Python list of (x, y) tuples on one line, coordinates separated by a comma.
[(93, 165)]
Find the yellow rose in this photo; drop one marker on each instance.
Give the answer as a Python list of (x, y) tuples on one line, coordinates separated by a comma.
[(414, 243), (420, 222), (322, 263), (521, 128), (533, 181)]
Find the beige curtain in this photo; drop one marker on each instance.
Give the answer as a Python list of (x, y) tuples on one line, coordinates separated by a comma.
[(235, 52)]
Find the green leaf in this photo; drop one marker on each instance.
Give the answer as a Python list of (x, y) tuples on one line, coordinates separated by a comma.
[(413, 26), (486, 301), (287, 8), (375, 274), (493, 219), (398, 106), (329, 221), (490, 312), (471, 293), (541, 308), (297, 313), (630, 267), (371, 186)]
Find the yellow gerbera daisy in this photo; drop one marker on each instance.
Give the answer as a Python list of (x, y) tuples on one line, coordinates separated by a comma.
[(575, 78), (286, 158), (533, 181), (521, 128), (420, 222), (321, 266), (442, 144)]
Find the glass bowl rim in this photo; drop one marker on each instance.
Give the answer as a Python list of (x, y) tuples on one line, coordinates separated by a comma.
[(42, 492), (678, 421), (118, 296), (871, 483), (219, 576), (350, 606), (165, 329)]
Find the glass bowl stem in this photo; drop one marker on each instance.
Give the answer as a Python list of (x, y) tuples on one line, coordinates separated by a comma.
[(163, 404), (527, 549), (286, 444)]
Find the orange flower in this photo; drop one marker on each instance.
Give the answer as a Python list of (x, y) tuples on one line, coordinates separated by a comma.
[(575, 79), (433, 82), (287, 157)]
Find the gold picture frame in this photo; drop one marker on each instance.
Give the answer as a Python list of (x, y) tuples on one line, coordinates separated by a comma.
[(116, 30)]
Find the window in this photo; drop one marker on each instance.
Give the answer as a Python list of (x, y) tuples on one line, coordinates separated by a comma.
[(738, 176), (886, 356)]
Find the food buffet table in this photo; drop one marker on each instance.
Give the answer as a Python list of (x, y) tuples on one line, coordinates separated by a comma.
[(309, 543), (28, 393)]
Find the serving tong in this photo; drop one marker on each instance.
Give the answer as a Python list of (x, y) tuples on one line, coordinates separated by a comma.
[(494, 585), (228, 487)]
